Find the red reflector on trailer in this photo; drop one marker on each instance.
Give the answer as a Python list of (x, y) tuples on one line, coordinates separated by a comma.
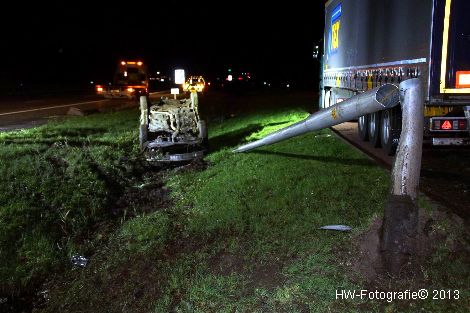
[(446, 125)]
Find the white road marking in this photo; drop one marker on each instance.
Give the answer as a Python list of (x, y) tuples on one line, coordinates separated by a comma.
[(66, 105), (49, 108), (158, 92)]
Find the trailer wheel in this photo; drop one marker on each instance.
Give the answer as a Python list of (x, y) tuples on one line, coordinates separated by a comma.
[(327, 99), (374, 129), (390, 130), (363, 127)]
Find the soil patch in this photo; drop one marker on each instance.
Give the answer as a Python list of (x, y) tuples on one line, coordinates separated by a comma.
[(364, 262), (195, 165), (260, 275), (145, 198)]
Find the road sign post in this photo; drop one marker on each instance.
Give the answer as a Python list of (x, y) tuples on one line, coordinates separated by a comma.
[(175, 91)]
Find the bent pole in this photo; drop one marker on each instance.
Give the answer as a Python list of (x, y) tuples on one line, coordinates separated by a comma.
[(379, 98), (407, 166), (400, 222)]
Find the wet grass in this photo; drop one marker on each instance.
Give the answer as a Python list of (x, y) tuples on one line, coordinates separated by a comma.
[(239, 232), (57, 182)]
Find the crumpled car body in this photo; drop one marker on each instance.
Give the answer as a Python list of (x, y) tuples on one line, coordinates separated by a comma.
[(171, 130)]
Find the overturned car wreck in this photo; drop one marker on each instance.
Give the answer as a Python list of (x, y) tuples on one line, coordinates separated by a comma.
[(171, 129)]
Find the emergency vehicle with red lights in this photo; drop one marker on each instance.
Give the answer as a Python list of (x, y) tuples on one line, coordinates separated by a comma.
[(130, 81)]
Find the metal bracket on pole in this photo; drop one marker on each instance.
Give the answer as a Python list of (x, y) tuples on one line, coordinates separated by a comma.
[(400, 224)]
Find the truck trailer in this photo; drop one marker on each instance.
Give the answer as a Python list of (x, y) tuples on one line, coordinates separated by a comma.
[(369, 43)]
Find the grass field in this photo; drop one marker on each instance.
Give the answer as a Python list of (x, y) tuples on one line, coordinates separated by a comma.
[(232, 233)]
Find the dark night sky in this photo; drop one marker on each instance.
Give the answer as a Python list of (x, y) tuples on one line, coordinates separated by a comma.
[(74, 42)]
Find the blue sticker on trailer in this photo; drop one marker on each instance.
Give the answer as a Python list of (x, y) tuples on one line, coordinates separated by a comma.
[(336, 14), (334, 29)]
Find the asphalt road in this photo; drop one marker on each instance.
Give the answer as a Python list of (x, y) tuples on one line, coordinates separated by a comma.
[(15, 114)]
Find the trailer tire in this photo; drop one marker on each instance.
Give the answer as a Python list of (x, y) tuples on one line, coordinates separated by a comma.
[(390, 128), (374, 129), (327, 100), (363, 127)]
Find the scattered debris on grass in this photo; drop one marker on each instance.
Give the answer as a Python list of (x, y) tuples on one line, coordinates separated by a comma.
[(79, 261), (336, 227)]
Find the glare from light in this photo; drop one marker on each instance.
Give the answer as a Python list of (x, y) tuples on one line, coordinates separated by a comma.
[(158, 73), (179, 77), (130, 89), (139, 63), (125, 73), (123, 63), (162, 80)]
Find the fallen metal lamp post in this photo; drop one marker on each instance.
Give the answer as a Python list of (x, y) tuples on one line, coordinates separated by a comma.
[(401, 214), (383, 97)]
